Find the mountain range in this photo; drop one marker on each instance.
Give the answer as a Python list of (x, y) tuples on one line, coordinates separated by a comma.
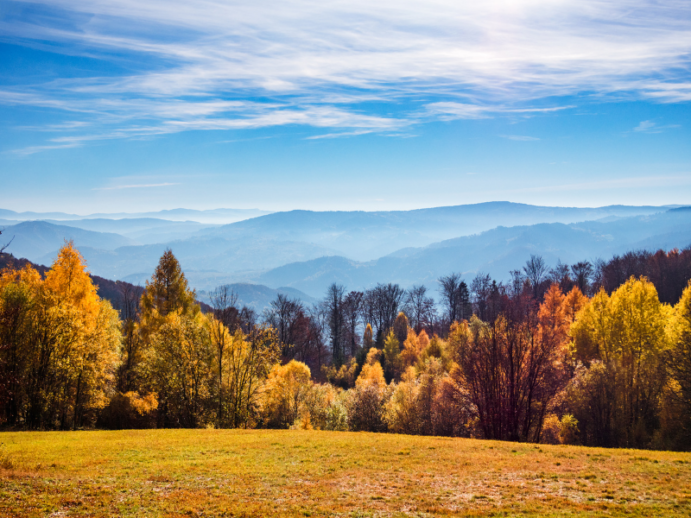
[(307, 250)]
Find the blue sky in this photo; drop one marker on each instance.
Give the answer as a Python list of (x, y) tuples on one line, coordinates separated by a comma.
[(123, 105)]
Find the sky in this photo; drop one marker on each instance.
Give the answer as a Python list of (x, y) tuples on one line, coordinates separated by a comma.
[(123, 105)]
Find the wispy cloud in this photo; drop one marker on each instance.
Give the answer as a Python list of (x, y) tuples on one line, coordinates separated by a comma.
[(205, 65), (339, 134), (520, 138), (134, 186), (652, 127)]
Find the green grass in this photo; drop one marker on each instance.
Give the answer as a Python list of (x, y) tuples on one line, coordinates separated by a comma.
[(311, 473)]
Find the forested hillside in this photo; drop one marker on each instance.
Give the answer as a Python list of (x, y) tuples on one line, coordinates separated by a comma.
[(581, 353)]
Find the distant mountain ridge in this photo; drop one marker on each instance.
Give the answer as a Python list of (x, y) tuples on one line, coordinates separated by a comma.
[(304, 249), (366, 236), (496, 252), (214, 216), (34, 240)]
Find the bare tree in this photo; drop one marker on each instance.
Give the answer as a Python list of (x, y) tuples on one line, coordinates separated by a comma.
[(248, 319), (536, 270), (419, 307), (449, 289), (130, 297), (334, 305), (4, 247), (224, 302), (285, 315), (481, 289), (560, 275), (352, 305), (319, 324), (582, 273), (456, 297)]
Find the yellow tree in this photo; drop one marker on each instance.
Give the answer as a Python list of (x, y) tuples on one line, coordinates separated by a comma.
[(283, 394), (71, 353), (573, 303), (182, 369), (221, 339), (392, 355), (177, 346), (247, 360), (680, 366), (18, 294), (367, 338), (626, 335), (166, 292)]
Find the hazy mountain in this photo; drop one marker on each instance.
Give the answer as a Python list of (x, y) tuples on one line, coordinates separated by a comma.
[(34, 240), (210, 254), (259, 297), (243, 251), (370, 235), (496, 252), (213, 216), (142, 231)]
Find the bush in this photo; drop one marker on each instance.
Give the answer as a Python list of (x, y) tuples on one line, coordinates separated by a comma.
[(568, 432), (129, 411), (337, 416), (550, 430), (560, 431)]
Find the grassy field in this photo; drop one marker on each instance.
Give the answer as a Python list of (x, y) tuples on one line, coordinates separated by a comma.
[(310, 473)]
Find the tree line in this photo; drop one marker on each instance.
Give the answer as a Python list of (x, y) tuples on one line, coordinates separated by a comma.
[(590, 353)]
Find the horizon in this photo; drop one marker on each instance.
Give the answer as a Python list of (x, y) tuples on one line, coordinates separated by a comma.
[(103, 215)]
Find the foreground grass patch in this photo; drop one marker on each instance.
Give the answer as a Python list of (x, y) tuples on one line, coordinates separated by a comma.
[(310, 473)]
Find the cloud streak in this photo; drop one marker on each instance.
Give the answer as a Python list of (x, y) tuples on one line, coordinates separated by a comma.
[(324, 64), (134, 186)]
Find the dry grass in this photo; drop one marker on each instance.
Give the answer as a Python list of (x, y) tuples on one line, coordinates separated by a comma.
[(309, 473)]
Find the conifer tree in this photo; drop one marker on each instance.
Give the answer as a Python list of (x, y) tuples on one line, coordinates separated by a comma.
[(168, 290), (368, 339), (392, 355)]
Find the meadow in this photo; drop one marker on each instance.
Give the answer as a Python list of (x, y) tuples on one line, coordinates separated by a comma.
[(315, 473)]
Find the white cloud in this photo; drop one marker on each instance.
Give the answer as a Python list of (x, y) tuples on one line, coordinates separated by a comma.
[(200, 63), (135, 186), (652, 127), (520, 138)]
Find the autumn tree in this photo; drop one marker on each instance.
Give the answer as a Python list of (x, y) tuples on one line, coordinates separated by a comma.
[(366, 402), (679, 364), (179, 348), (283, 394), (166, 292), (624, 338), (382, 305), (60, 344), (512, 374), (247, 362), (392, 356), (132, 350)]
